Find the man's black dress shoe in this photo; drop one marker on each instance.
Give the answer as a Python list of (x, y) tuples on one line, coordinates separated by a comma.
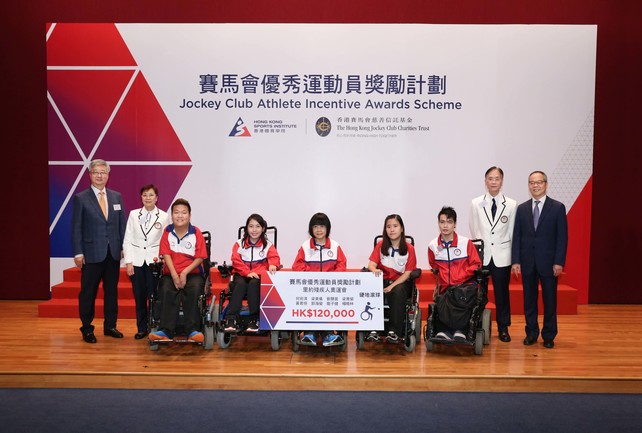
[(529, 341), (504, 336), (113, 332), (140, 335), (89, 337), (549, 344)]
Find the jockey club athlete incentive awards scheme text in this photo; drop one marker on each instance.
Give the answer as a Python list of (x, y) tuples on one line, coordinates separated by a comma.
[(322, 85)]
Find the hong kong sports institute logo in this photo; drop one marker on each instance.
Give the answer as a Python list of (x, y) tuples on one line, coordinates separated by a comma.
[(240, 130)]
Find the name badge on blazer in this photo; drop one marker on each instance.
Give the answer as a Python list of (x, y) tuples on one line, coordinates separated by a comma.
[(117, 207)]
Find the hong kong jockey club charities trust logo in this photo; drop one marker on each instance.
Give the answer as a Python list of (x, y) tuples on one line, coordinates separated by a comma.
[(240, 130), (323, 126)]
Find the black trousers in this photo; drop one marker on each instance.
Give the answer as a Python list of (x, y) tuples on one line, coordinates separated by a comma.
[(549, 298), (144, 284), (396, 299), (92, 274), (244, 286), (501, 280), (170, 298)]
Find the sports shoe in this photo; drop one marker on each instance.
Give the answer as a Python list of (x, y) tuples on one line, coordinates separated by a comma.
[(332, 340), (253, 326), (392, 337), (459, 336), (230, 326), (309, 339), (443, 336), (159, 336), (196, 337), (373, 336)]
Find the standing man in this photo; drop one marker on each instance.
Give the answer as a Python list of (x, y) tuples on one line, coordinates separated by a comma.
[(492, 218), (98, 228), (539, 254)]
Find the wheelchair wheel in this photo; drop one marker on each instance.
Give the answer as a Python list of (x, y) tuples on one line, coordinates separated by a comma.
[(418, 324), (295, 343), (429, 345), (344, 335), (208, 344), (479, 342), (410, 343), (223, 339), (361, 340), (486, 326), (275, 340), (216, 316)]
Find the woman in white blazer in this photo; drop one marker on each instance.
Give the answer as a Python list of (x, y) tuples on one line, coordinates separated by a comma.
[(492, 218), (145, 227)]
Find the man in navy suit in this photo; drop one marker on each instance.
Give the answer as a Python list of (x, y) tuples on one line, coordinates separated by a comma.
[(540, 238), (98, 228)]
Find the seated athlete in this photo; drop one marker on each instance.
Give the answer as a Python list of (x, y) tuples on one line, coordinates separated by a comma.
[(456, 259), (183, 250), (320, 254), (396, 259), (251, 256)]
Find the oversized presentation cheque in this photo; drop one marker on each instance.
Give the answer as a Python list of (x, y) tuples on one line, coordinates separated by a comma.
[(340, 301)]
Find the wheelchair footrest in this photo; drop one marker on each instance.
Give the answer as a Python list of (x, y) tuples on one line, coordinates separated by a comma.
[(450, 342)]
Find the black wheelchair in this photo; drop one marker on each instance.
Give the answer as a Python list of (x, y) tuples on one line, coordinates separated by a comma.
[(205, 302), (223, 338), (479, 322), (412, 317)]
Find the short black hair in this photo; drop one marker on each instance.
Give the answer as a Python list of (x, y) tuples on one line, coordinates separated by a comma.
[(147, 187), (319, 219), (183, 202), (448, 212)]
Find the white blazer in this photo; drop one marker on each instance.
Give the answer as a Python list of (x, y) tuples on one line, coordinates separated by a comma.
[(497, 233), (141, 245)]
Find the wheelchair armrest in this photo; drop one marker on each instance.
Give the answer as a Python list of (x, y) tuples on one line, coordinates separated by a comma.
[(482, 273), (364, 269), (156, 268), (414, 274)]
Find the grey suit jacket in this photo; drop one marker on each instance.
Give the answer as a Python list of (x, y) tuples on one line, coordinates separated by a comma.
[(91, 233)]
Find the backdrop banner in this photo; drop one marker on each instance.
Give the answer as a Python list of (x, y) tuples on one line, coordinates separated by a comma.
[(285, 120)]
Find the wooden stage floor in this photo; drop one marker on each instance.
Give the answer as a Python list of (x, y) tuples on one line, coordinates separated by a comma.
[(599, 350)]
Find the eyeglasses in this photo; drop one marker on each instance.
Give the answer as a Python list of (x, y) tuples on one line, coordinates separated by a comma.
[(537, 182), (99, 173)]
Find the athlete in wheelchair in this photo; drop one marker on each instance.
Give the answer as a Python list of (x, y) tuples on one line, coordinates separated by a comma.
[(183, 288), (252, 255), (458, 315), (394, 257)]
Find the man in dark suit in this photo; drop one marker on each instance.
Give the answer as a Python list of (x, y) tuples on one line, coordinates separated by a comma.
[(540, 238), (98, 228)]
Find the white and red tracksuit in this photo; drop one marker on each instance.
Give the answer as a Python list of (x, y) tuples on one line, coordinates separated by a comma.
[(456, 260), (320, 258)]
